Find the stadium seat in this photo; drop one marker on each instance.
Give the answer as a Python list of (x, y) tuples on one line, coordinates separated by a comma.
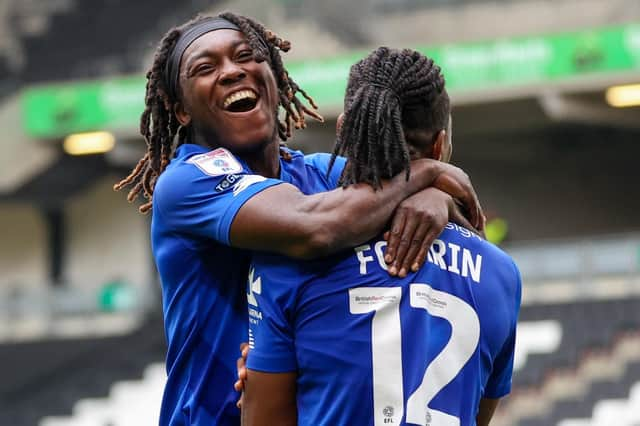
[(597, 351), (63, 372), (536, 337)]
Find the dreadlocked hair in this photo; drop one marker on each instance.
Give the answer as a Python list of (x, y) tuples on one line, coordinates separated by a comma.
[(159, 126), (383, 91)]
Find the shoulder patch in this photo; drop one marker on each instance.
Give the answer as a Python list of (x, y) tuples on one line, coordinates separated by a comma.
[(245, 182), (217, 162)]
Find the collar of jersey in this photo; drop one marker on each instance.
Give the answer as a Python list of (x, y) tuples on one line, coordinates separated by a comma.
[(189, 149)]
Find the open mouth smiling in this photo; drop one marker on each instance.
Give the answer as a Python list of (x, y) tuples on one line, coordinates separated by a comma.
[(241, 101)]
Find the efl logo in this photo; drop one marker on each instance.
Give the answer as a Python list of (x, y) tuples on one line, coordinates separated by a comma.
[(217, 162)]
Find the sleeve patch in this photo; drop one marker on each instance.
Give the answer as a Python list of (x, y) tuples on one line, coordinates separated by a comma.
[(245, 182), (216, 163)]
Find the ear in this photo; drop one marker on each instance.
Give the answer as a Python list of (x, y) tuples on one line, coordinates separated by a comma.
[(438, 145), (184, 118), (339, 123)]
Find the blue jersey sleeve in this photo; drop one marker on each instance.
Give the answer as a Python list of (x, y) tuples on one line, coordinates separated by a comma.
[(271, 301), (189, 199), (321, 162), (499, 383)]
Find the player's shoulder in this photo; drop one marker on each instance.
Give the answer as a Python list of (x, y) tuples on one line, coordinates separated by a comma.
[(195, 170), (500, 279), (327, 166), (318, 159), (173, 183), (322, 161), (492, 255), (312, 173), (297, 272), (194, 159), (281, 275), (283, 268), (296, 162)]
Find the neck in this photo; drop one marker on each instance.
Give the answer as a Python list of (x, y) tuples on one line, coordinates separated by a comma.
[(264, 161)]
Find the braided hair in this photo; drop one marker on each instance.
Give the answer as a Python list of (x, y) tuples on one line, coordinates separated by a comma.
[(159, 125), (388, 92)]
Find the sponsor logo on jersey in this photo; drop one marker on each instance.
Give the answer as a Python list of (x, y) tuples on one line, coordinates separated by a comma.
[(216, 163), (254, 287), (227, 182)]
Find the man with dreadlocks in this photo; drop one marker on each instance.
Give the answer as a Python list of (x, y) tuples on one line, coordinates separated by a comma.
[(336, 341), (226, 185)]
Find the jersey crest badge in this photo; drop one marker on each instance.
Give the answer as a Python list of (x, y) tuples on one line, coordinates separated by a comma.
[(216, 163)]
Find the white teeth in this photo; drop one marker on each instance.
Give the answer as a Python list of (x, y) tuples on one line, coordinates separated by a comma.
[(242, 94)]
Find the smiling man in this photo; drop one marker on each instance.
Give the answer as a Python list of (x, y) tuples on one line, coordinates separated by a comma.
[(237, 114)]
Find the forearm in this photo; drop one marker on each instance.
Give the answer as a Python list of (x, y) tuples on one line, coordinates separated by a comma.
[(360, 213), (283, 220), (269, 399)]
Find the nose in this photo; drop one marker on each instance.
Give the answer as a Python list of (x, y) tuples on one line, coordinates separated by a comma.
[(231, 72)]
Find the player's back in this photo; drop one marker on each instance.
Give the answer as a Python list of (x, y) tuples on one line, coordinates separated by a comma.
[(373, 349)]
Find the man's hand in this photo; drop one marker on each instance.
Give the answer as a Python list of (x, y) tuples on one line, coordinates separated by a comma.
[(455, 182), (241, 366), (417, 221), (457, 214)]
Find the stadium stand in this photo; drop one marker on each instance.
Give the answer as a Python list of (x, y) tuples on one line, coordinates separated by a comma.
[(625, 411), (82, 388), (606, 395), (47, 377), (597, 358), (536, 337), (144, 394), (588, 325), (40, 39)]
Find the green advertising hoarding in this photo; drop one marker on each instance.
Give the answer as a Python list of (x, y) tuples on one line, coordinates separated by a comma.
[(57, 110), (115, 104)]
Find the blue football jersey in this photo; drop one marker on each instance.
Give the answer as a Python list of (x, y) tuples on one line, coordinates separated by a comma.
[(371, 349), (203, 278)]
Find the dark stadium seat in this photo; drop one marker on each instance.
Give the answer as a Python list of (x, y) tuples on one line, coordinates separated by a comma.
[(599, 390), (586, 326), (56, 55), (582, 405), (48, 377)]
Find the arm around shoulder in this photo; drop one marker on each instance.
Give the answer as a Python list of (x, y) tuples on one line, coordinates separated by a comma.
[(283, 220)]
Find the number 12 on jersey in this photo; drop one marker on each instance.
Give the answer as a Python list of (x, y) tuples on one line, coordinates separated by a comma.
[(386, 351)]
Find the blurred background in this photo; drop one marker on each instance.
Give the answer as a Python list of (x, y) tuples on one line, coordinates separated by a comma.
[(546, 122)]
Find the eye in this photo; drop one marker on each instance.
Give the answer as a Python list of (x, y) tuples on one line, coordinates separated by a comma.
[(202, 69), (245, 55)]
